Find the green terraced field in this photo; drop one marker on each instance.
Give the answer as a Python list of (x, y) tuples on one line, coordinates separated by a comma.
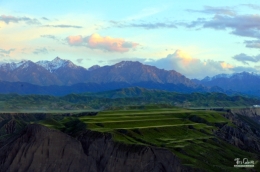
[(187, 133)]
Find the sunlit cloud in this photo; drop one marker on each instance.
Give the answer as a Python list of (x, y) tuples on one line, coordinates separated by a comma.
[(225, 65), (182, 62), (75, 40), (107, 43)]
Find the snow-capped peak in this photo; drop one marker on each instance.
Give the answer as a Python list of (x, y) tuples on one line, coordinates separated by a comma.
[(12, 66), (223, 75), (55, 64), (244, 74), (234, 75), (207, 78)]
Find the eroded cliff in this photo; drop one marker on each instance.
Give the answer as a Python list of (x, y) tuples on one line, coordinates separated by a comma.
[(40, 149)]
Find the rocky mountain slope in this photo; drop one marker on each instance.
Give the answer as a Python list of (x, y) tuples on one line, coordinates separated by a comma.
[(133, 72)]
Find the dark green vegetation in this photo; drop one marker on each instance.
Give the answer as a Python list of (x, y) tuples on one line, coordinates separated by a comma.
[(189, 134), (120, 98), (13, 123)]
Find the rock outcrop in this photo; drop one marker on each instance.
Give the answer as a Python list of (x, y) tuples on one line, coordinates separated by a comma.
[(38, 148), (246, 134), (111, 156)]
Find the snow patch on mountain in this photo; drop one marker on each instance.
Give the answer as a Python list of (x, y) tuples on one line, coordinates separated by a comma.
[(222, 76), (12, 66), (25, 65), (55, 64), (124, 63)]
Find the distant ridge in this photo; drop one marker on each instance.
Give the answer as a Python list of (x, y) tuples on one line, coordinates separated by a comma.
[(244, 82), (27, 88), (135, 96)]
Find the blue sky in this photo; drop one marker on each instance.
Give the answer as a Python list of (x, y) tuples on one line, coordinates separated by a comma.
[(196, 38)]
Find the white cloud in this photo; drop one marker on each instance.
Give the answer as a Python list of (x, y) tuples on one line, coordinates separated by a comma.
[(191, 67)]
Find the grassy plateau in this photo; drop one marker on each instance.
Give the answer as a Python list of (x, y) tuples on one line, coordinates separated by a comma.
[(189, 134)]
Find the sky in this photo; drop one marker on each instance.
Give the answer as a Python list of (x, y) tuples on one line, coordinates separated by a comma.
[(195, 38)]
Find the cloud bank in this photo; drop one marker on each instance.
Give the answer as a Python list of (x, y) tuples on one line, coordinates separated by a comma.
[(240, 25)]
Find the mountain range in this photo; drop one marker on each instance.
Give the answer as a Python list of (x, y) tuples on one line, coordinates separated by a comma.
[(60, 77), (244, 82), (64, 72)]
